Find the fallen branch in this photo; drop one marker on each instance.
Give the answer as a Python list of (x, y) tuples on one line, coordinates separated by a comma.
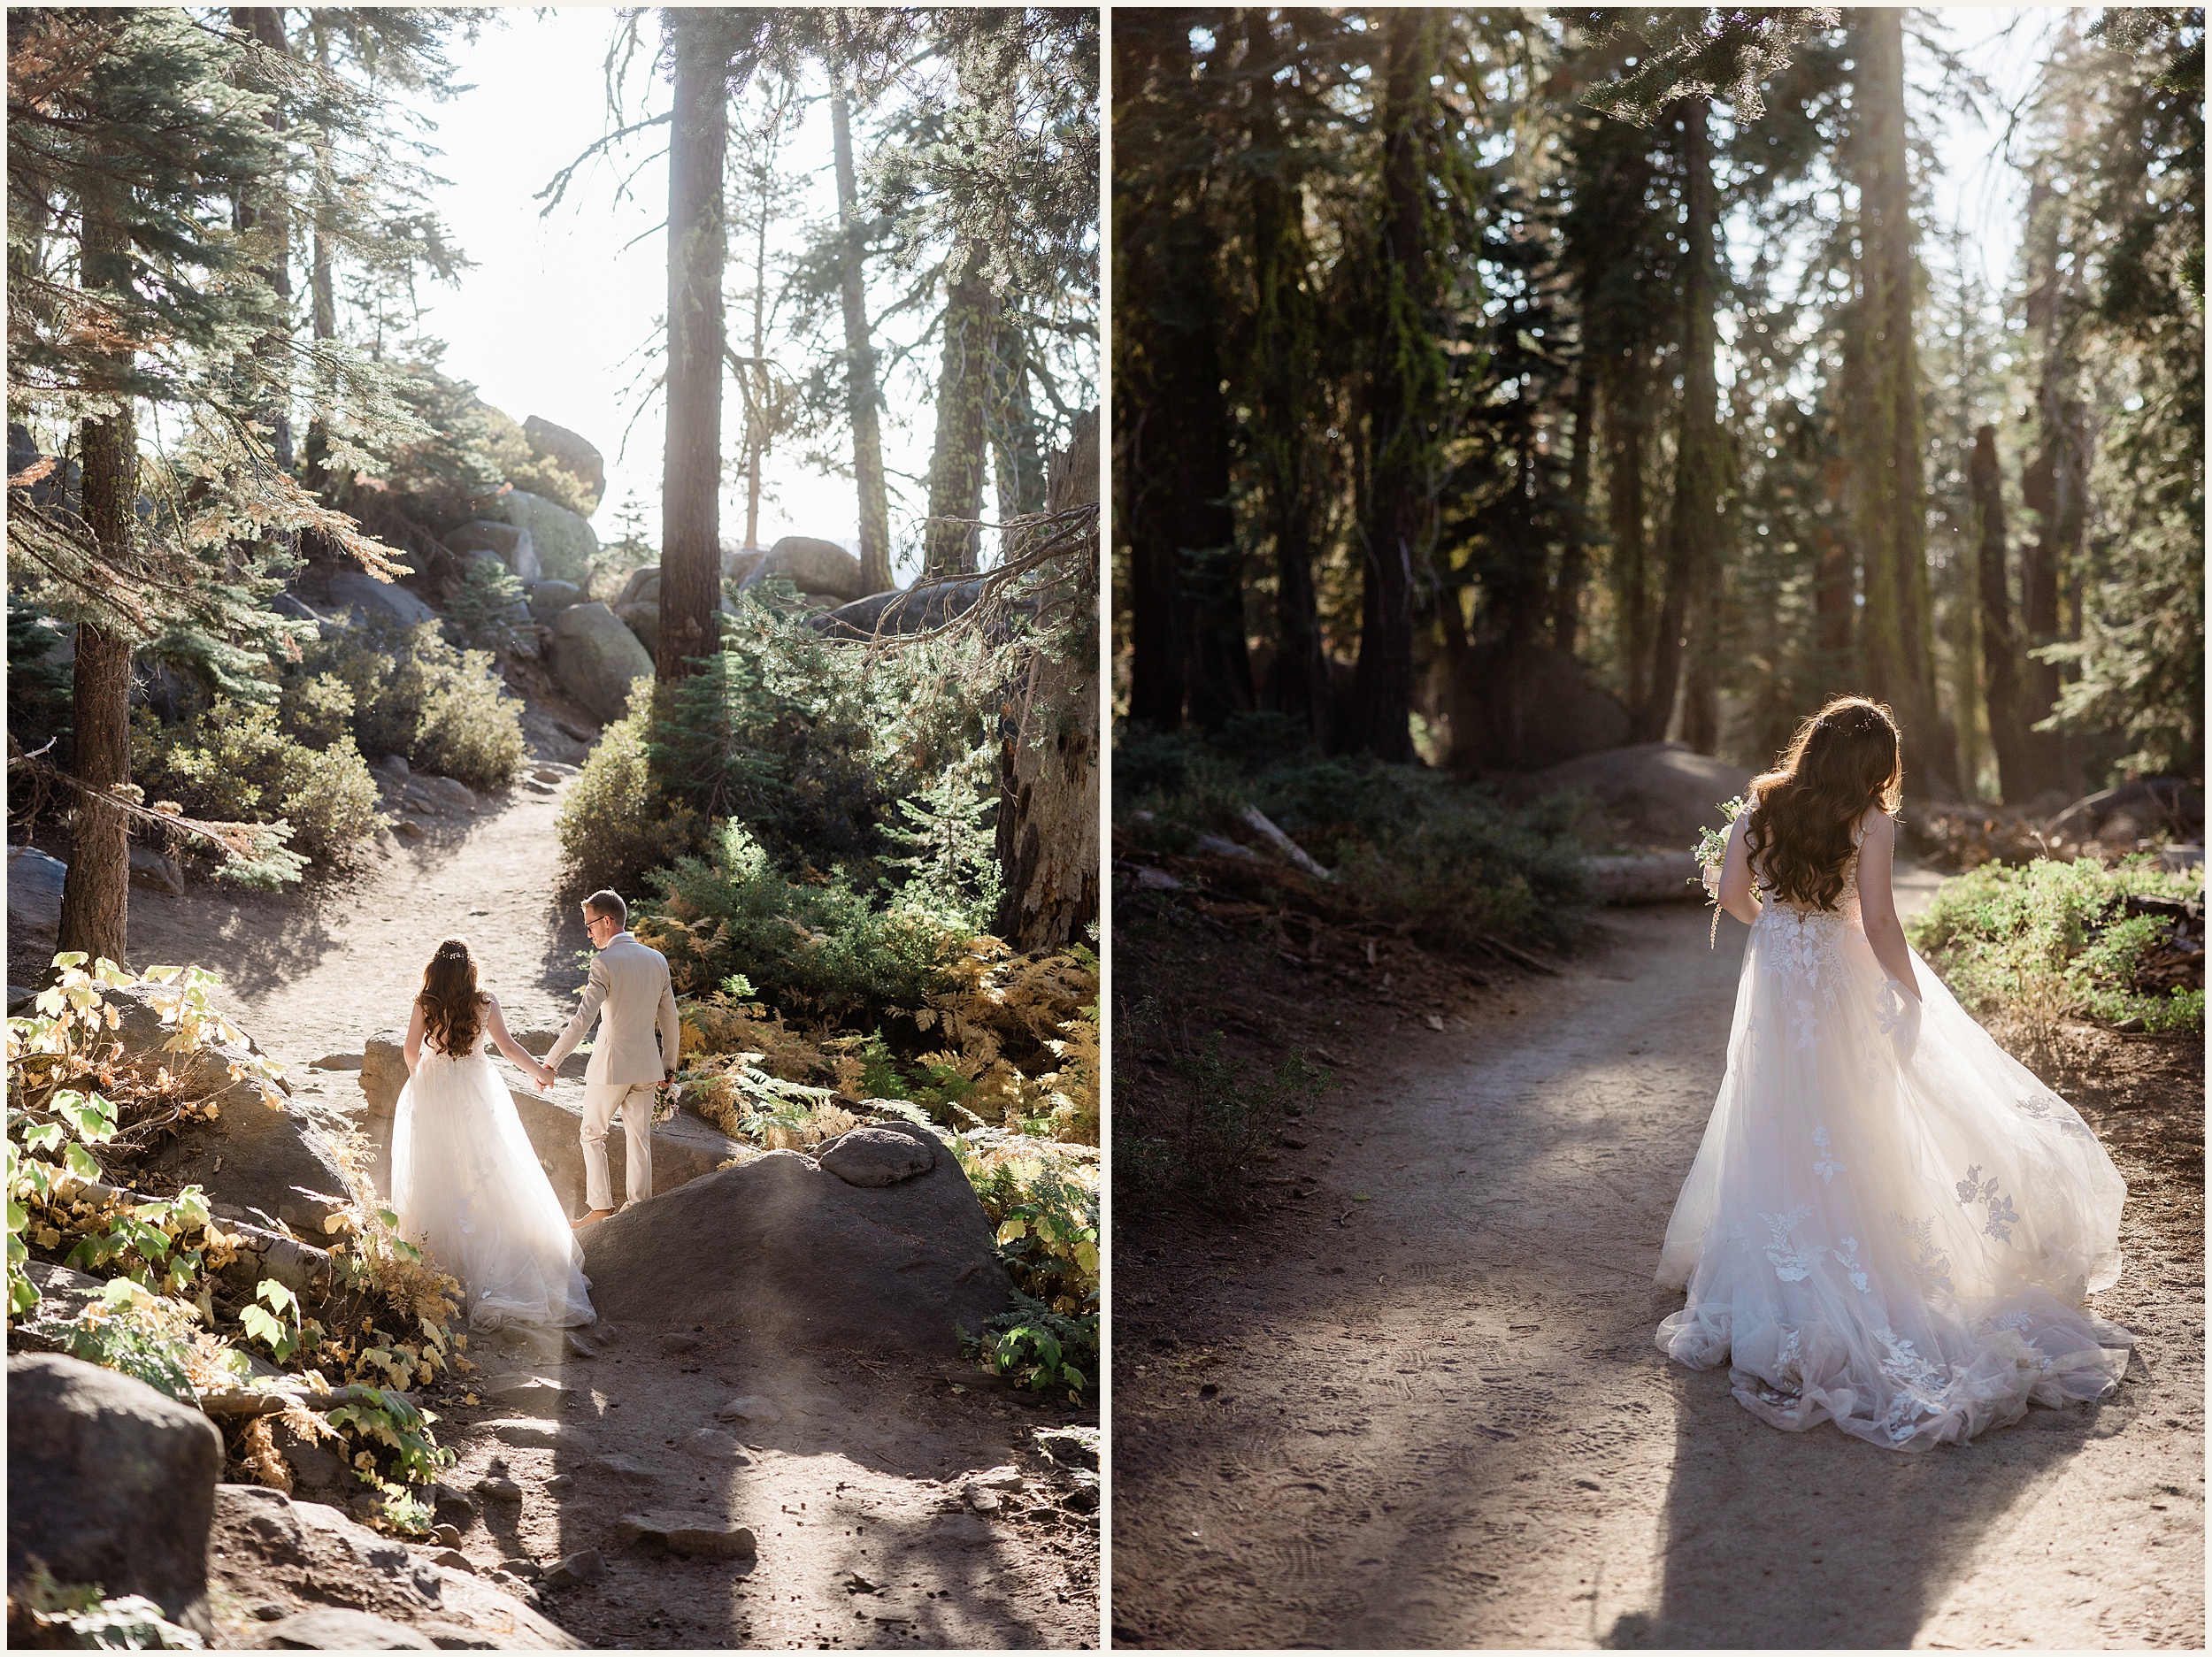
[(1522, 955), (1289, 847)]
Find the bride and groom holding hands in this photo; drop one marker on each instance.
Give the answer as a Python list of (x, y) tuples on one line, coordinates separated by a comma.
[(466, 1183)]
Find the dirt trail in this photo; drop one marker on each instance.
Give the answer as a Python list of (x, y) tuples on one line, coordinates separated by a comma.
[(1434, 1415), (855, 1492)]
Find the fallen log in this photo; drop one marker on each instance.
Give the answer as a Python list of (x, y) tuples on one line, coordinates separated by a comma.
[(1258, 819), (1646, 877)]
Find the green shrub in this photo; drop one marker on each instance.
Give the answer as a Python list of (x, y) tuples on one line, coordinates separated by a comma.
[(2045, 939), (414, 694), (318, 711), (819, 949), (1229, 1116), (234, 764), (1413, 843), (614, 826)]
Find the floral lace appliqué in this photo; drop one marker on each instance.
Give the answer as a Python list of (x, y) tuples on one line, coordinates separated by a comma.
[(2002, 1215), (1932, 1266), (1847, 1257), (1791, 1263), (1922, 1388), (1825, 1165)]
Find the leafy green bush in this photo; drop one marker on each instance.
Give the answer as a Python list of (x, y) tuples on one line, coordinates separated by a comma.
[(1413, 843), (235, 765), (614, 826), (2045, 939), (414, 694), (820, 949)]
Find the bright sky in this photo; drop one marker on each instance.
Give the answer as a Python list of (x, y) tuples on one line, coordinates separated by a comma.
[(553, 319)]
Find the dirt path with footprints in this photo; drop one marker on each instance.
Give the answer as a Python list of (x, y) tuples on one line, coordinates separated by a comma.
[(1432, 1414), (854, 1474)]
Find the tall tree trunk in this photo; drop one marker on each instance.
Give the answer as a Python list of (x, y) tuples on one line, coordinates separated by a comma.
[(1566, 614), (1627, 431), (1401, 403), (1048, 815), (756, 368), (95, 894), (1285, 344), (1148, 421), (860, 354), (322, 294), (1898, 638), (691, 462), (2050, 486), (1018, 461), (1694, 520), (263, 206), (2000, 663), (950, 541)]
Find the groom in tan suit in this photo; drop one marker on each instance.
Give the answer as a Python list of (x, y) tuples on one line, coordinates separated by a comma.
[(629, 987)]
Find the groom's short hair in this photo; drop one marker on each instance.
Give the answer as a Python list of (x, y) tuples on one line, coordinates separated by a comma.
[(611, 905)]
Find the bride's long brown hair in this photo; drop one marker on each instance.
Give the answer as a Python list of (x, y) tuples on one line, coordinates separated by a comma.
[(451, 1002), (1842, 760)]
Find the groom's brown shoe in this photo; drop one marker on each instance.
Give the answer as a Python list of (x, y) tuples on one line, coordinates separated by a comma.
[(593, 1218)]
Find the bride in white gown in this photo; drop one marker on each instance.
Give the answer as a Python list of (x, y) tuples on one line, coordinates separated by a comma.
[(465, 1182), (1890, 1224)]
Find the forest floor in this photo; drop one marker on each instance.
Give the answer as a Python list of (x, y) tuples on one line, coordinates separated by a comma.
[(1413, 1399), (855, 1493)]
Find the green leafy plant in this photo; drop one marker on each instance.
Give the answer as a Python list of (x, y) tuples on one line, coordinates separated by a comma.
[(276, 1325), (2049, 939), (614, 825), (443, 710), (1040, 1348)]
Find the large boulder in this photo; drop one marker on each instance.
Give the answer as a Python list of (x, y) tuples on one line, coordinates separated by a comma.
[(916, 609), (819, 567), (642, 617), (367, 599), (643, 586), (517, 548), (596, 658), (799, 1255), (684, 1148), (34, 883), (272, 1550), (549, 599), (109, 1482), (1526, 706), (250, 1157), (565, 543), (739, 562), (1667, 793), (573, 455)]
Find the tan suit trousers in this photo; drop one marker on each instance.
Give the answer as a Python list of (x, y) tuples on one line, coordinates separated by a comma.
[(601, 1099)]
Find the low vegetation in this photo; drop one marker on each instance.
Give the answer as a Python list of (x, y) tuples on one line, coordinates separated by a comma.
[(381, 1321), (2046, 940)]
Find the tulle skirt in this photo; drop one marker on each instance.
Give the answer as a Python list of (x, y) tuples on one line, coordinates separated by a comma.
[(1891, 1225), (469, 1191)]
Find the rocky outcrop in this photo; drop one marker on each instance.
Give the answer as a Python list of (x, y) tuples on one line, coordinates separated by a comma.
[(683, 1149), (35, 884), (643, 618), (597, 657), (565, 544), (1667, 793), (366, 598), (798, 1256), (111, 1483), (281, 1562), (739, 562), (819, 567), (516, 548), (1526, 706), (572, 454), (549, 599), (250, 1157)]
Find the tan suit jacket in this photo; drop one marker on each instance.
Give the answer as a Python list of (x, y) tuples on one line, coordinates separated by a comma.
[(629, 985)]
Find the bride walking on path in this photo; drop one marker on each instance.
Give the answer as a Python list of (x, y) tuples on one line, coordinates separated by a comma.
[(466, 1183), (1890, 1224)]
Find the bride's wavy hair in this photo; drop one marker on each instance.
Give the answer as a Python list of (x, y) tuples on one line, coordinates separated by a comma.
[(1842, 760), (452, 1013)]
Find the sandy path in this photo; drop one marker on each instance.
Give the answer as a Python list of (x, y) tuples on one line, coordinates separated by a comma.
[(1435, 1416)]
